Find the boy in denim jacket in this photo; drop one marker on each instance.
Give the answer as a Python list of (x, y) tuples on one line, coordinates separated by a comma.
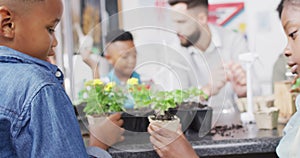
[(36, 116)]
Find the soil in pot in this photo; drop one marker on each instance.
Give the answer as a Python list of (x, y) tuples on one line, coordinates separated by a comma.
[(168, 121)]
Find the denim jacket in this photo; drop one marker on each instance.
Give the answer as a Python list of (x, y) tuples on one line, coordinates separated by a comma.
[(36, 116)]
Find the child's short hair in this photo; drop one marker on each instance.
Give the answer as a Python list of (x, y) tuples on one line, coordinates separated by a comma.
[(118, 35)]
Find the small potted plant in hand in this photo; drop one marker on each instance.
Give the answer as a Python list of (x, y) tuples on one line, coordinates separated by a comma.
[(162, 101), (101, 99)]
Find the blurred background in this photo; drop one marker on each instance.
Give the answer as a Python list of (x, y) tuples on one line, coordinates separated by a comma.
[(150, 23)]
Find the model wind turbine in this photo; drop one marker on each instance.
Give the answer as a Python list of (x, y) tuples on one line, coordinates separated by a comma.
[(248, 59)]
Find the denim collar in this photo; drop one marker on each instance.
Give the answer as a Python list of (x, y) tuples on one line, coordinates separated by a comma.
[(13, 56)]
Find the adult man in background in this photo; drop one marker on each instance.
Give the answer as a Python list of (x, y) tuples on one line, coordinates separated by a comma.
[(212, 53)]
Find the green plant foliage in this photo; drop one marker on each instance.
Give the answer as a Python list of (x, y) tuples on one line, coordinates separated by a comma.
[(164, 100), (140, 93), (102, 98)]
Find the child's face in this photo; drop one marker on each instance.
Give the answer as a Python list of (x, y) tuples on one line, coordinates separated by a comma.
[(122, 55), (34, 31), (291, 22)]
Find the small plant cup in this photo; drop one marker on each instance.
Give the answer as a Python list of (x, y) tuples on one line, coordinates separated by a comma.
[(162, 101), (171, 125), (267, 118), (94, 120)]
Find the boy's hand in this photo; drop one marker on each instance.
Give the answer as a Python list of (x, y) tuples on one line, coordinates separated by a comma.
[(85, 43), (237, 76), (85, 49), (170, 144), (108, 132)]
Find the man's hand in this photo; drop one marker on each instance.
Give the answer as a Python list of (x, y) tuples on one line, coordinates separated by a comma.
[(107, 132), (217, 82), (236, 75), (170, 144)]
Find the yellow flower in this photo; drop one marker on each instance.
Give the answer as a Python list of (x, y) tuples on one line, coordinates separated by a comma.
[(97, 82), (109, 86), (132, 81), (88, 83)]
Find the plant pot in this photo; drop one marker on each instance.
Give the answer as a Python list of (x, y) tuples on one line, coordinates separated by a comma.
[(186, 117), (171, 125), (136, 120), (194, 116), (202, 121), (95, 119), (267, 119)]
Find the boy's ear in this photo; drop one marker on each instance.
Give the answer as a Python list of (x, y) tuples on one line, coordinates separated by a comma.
[(7, 26)]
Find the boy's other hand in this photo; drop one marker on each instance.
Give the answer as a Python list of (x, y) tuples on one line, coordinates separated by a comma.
[(170, 144), (108, 132)]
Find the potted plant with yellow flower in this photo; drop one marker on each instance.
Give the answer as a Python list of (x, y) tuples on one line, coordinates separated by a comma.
[(135, 119), (101, 99), (162, 101)]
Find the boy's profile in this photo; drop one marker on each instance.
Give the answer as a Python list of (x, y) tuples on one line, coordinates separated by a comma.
[(36, 116)]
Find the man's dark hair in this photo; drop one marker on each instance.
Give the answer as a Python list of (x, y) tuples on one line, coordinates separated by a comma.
[(190, 3), (280, 8), (118, 35)]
